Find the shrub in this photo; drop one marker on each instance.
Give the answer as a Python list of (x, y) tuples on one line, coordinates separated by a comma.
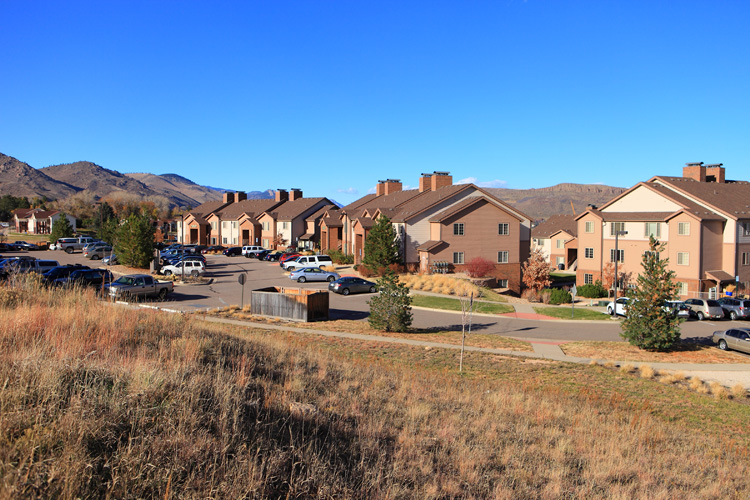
[(559, 296), (390, 310), (479, 267), (531, 295), (592, 290), (365, 271), (340, 257)]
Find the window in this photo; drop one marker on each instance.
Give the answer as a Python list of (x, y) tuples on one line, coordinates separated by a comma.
[(265, 242), (213, 226), (616, 227), (560, 260), (503, 229), (224, 224), (620, 255), (745, 228), (502, 257), (648, 252), (683, 228), (589, 226), (234, 240), (560, 243), (746, 258), (683, 259), (588, 253), (458, 229), (458, 257), (266, 226), (588, 278), (682, 288), (234, 224), (502, 283), (284, 225), (224, 240), (652, 229)]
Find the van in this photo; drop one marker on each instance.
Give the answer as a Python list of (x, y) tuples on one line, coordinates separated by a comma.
[(303, 261)]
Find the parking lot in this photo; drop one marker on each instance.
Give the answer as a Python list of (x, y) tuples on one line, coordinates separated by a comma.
[(223, 289)]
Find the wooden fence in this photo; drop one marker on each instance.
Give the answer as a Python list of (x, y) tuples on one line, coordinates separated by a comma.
[(295, 304)]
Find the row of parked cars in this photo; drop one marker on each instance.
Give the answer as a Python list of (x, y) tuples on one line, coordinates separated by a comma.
[(700, 309)]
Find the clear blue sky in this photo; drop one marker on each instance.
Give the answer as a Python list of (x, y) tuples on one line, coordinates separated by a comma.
[(330, 96)]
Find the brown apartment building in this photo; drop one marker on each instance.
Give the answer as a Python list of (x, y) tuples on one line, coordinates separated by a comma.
[(701, 217), (555, 238), (437, 223)]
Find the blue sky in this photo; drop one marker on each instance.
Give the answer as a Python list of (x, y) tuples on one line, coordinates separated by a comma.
[(332, 96)]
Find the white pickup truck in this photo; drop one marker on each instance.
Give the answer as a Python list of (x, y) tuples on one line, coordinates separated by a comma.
[(134, 286)]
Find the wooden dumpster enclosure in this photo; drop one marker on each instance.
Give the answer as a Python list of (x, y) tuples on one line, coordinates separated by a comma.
[(296, 304)]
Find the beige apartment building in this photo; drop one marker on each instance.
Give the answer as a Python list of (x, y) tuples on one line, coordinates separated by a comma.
[(701, 217)]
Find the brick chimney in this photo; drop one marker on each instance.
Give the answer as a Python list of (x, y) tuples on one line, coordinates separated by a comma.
[(228, 197), (281, 195), (695, 171), (380, 188), (425, 183), (715, 173), (241, 195), (441, 180), (392, 186), (295, 194)]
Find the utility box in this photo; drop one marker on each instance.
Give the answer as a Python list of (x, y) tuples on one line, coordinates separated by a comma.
[(295, 304)]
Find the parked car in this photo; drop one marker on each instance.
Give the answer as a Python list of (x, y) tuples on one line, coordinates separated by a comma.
[(705, 309), (70, 245), (138, 285), (232, 251), (737, 339), (252, 250), (183, 258), (184, 268), (213, 249), (288, 256), (351, 284), (92, 244), (735, 308), (94, 278), (308, 261), (258, 255), (97, 252), (10, 266), (273, 256), (618, 307), (111, 260), (61, 272), (24, 245), (313, 274), (677, 308)]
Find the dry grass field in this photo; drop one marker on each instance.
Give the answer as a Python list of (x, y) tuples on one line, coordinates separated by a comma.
[(682, 353), (102, 401)]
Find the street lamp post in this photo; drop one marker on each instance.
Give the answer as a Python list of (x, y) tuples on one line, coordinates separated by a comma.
[(617, 258)]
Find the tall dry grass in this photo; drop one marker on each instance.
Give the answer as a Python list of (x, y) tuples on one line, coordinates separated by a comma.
[(99, 401)]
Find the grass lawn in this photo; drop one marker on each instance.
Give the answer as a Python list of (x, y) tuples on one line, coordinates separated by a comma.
[(454, 305), (579, 313)]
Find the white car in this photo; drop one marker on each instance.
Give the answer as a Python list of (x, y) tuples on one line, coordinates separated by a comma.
[(619, 307), (303, 261), (185, 268), (251, 250)]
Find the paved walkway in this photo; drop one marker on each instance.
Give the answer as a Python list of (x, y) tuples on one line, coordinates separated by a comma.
[(725, 374)]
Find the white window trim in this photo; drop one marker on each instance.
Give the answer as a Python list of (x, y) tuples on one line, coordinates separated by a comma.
[(458, 226), (588, 227), (503, 229), (458, 256), (685, 259), (586, 253), (505, 254), (680, 232)]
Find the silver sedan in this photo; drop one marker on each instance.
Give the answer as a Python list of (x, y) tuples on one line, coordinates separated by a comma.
[(734, 338), (313, 274)]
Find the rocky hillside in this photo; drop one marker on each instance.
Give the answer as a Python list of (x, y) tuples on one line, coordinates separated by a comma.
[(21, 179), (542, 203)]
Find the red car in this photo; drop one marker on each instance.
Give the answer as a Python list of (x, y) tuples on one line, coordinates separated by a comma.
[(288, 256)]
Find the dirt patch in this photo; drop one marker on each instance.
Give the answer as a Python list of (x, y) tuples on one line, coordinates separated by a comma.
[(685, 353)]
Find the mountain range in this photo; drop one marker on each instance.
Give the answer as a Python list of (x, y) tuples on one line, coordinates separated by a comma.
[(60, 181)]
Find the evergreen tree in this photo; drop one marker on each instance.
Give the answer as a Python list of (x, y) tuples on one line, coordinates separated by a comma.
[(134, 241), (61, 228), (390, 310), (8, 203), (648, 325), (381, 245), (102, 216)]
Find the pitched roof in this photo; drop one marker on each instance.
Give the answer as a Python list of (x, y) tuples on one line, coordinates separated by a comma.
[(731, 198), (43, 214), (635, 216), (207, 208), (426, 200), (292, 209), (319, 213), (360, 202), (252, 207), (332, 222), (554, 224)]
